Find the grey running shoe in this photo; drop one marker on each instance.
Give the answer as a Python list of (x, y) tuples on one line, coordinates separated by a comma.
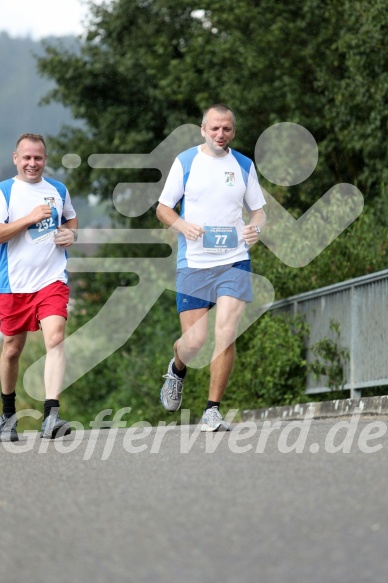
[(213, 421), (8, 428), (171, 393), (52, 424)]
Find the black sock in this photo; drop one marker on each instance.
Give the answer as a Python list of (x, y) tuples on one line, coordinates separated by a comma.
[(48, 405), (211, 404), (179, 373), (9, 407)]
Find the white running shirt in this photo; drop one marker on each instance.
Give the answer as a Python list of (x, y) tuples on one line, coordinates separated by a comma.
[(213, 192), (31, 260)]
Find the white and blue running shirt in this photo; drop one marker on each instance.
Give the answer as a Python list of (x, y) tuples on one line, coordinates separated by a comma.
[(213, 192), (31, 260)]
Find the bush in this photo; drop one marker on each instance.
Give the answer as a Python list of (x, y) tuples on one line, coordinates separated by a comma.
[(271, 368)]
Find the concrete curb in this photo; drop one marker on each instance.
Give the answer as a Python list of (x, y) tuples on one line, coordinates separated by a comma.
[(319, 410)]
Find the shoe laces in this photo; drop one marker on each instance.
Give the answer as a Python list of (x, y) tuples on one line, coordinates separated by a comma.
[(214, 414), (175, 386)]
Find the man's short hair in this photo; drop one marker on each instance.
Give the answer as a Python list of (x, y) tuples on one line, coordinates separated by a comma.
[(221, 108), (32, 138)]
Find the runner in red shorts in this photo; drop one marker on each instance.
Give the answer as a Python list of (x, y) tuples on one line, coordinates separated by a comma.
[(37, 224)]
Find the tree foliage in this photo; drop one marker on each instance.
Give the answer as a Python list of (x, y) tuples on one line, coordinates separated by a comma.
[(145, 68), (332, 359)]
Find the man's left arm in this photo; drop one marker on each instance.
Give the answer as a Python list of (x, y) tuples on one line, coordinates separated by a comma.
[(67, 233), (251, 232)]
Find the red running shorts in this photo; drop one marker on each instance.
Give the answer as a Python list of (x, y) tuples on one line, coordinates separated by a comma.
[(23, 312)]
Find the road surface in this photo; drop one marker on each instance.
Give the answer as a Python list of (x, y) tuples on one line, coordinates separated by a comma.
[(269, 502)]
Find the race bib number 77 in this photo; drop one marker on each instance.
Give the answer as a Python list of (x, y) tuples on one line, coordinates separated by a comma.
[(220, 239)]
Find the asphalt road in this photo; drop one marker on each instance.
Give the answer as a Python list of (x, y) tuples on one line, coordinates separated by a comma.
[(295, 502)]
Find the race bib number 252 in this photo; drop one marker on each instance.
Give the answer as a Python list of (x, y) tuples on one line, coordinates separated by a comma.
[(46, 227)]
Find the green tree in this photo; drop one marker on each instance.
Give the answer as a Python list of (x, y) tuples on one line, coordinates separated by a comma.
[(145, 68)]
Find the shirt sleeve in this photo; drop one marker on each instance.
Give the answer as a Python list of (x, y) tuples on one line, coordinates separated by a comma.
[(68, 210), (4, 214), (173, 190), (254, 198)]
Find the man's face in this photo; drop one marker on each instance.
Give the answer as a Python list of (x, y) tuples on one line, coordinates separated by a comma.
[(218, 132), (30, 160)]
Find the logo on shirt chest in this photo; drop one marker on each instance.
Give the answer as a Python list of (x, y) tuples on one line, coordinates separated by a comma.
[(229, 178)]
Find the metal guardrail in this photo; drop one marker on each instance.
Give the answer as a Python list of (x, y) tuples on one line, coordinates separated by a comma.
[(360, 306)]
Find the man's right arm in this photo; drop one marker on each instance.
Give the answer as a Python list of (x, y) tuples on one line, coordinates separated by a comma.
[(172, 193), (171, 219), (10, 230)]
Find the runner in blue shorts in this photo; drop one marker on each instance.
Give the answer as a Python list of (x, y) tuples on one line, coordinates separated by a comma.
[(212, 184)]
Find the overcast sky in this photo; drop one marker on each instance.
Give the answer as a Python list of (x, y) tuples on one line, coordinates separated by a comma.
[(40, 18)]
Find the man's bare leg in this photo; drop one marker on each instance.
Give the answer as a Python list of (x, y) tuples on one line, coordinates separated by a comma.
[(194, 332), (229, 312), (220, 371), (9, 361), (53, 328), (9, 370)]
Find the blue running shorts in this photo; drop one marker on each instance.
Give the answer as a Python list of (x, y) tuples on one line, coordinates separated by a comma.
[(200, 288)]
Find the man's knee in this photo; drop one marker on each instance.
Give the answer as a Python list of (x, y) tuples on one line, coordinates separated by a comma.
[(193, 342), (55, 339), (225, 335), (12, 350)]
